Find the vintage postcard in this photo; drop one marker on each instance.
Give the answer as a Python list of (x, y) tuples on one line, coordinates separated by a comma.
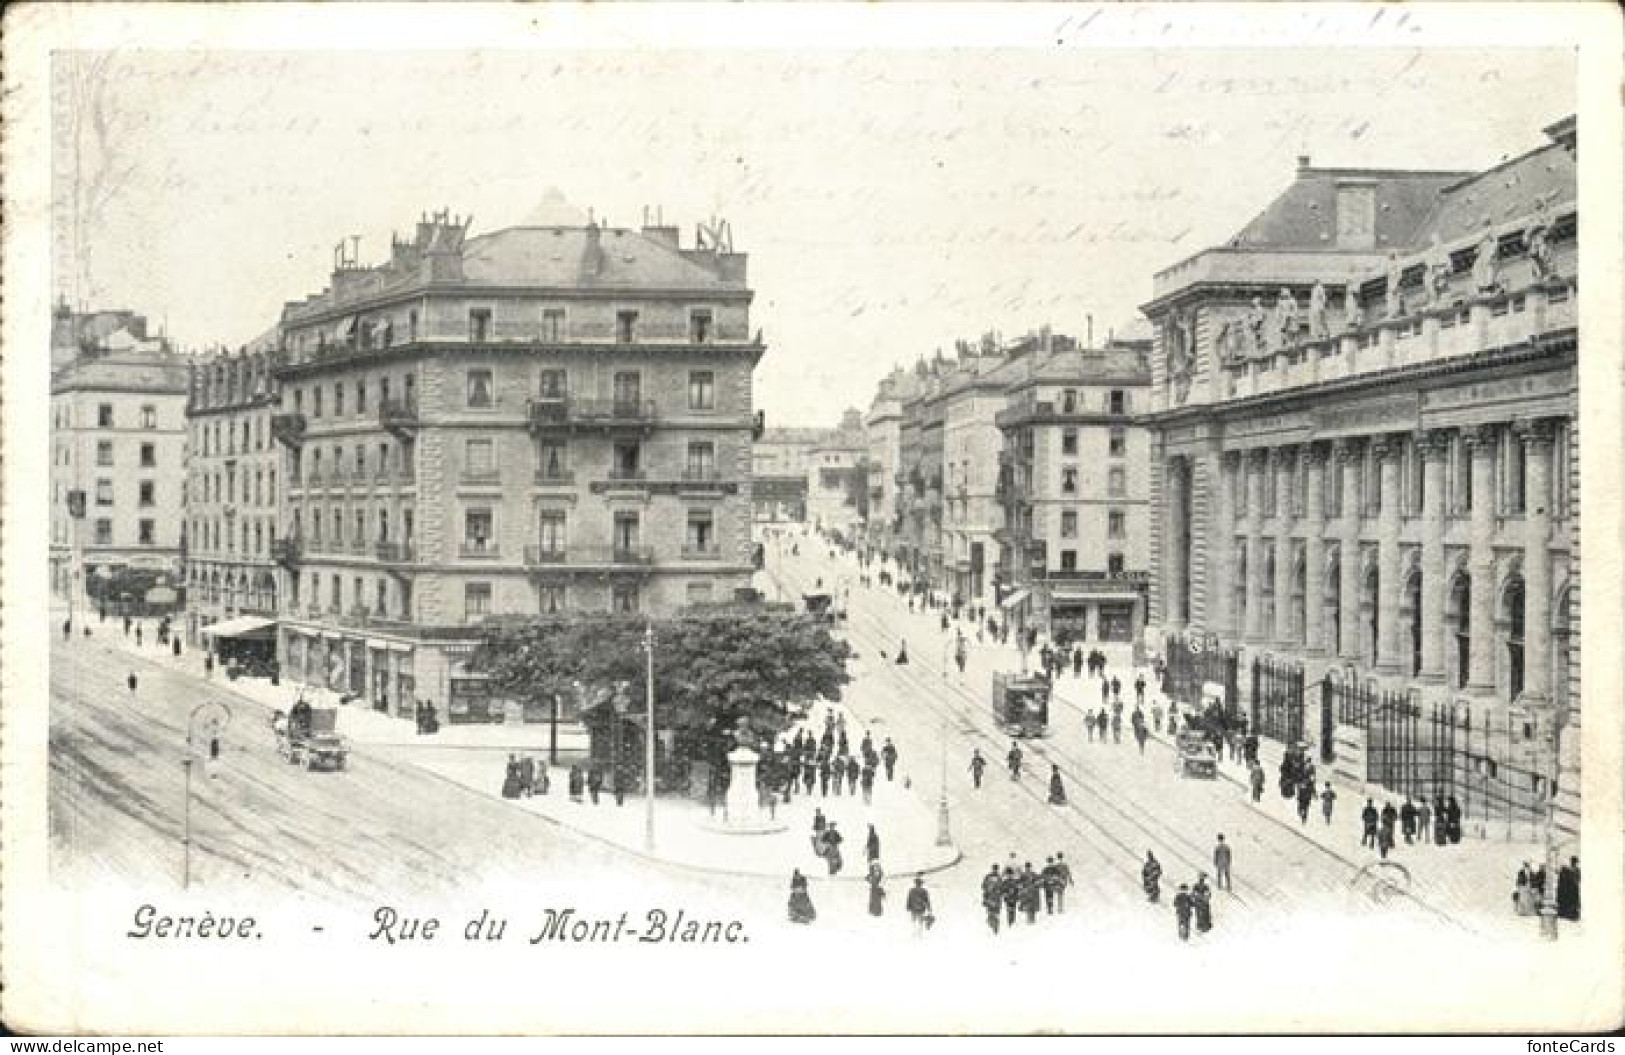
[(812, 519)]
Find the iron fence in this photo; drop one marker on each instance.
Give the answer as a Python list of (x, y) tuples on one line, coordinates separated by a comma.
[(1190, 662), (1277, 710)]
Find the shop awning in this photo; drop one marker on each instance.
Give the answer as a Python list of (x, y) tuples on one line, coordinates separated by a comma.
[(1014, 599), (244, 626)]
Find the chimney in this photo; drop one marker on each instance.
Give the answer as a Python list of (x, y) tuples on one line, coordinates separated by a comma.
[(592, 260), (1089, 329), (1303, 162)]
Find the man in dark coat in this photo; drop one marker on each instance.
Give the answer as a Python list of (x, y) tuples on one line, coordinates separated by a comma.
[(1407, 821), (1568, 890), (832, 849), (919, 906), (595, 783), (977, 765), (1032, 892), (1441, 821), (853, 771), (888, 755), (1385, 837), (1202, 903), (866, 780), (992, 895), (1063, 880), (1454, 809), (1013, 760), (1057, 790), (1182, 912), (1010, 890), (823, 778), (1368, 821), (1306, 798), (1048, 878), (871, 845), (1257, 778), (1151, 878)]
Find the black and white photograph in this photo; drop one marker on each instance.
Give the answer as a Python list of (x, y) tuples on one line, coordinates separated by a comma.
[(815, 519)]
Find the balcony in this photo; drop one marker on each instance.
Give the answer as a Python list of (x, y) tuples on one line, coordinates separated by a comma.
[(701, 478), (288, 429), (589, 558), (710, 551), (541, 556), (554, 412), (395, 552), (620, 478), (480, 478), (356, 617), (287, 551), (398, 416), (557, 478), (479, 549)]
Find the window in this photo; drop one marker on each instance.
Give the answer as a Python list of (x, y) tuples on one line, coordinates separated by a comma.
[(104, 452), (476, 601), (1114, 483), (270, 487), (701, 461), (550, 598), (625, 465), (360, 537), (104, 532), (104, 492), (551, 461), (1069, 481), (1117, 401), (1119, 441), (316, 402), (628, 391), (479, 389), (383, 525), (412, 325), (1069, 524), (316, 529), (1114, 564), (1069, 442), (479, 324), (380, 596), (553, 324), (338, 526), (625, 326), (149, 416), (104, 416), (555, 384), (335, 593), (479, 460), (702, 390), (700, 538), (624, 598), (145, 498), (1115, 521), (406, 526), (477, 534), (551, 538), (360, 460), (626, 533), (699, 325), (1069, 401), (1069, 560)]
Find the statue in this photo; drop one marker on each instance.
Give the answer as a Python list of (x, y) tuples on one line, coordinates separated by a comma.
[(1181, 363), (1286, 319), (1319, 330), (1536, 240), (1396, 274), (1486, 268), (1439, 269), (1351, 305), (1255, 328), (1229, 344)]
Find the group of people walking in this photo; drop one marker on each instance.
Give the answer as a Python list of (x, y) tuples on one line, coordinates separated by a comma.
[(1416, 822), (828, 764), (1529, 890), (1193, 902), (1024, 891), (525, 777)]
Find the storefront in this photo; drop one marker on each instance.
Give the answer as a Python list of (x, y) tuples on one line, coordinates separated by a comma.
[(246, 641)]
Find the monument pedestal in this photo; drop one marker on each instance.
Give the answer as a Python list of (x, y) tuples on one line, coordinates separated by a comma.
[(743, 813)]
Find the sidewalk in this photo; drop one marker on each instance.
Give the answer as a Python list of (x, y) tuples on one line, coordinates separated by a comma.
[(687, 834)]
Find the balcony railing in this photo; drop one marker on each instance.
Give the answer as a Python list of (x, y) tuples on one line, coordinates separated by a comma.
[(398, 415), (542, 555), (555, 411), (395, 552), (479, 550), (701, 474), (619, 475), (286, 550), (547, 411), (710, 551), (560, 478), (356, 617), (288, 428), (480, 477), (589, 556)]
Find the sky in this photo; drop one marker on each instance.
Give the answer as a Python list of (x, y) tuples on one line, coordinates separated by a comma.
[(890, 201)]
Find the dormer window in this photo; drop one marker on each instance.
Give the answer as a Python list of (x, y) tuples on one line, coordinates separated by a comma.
[(479, 325), (699, 326), (625, 326)]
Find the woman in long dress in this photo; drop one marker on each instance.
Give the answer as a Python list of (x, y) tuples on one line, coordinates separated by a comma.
[(1057, 790), (877, 891), (801, 906)]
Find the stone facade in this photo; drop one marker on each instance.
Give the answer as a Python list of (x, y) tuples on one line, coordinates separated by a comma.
[(1364, 436), (535, 420)]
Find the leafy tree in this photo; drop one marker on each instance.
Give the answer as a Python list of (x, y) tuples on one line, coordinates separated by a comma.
[(712, 671)]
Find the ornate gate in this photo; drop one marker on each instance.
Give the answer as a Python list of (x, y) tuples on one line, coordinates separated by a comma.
[(1189, 662), (1278, 700)]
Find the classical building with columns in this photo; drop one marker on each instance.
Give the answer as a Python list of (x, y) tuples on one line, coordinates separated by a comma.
[(1365, 453)]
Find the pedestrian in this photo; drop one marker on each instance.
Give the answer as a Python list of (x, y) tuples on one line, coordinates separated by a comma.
[(618, 779), (1327, 798), (832, 849), (919, 906), (138, 634), (1306, 796), (1057, 791), (527, 776), (1385, 835), (127, 626), (1031, 892), (1048, 880), (809, 775), (574, 783), (1139, 690), (1441, 821), (1221, 864), (1156, 717), (867, 781), (1182, 912), (871, 846), (511, 780), (1010, 891), (1063, 878), (1568, 891), (902, 649), (977, 765), (595, 783), (801, 906), (1117, 688), (888, 755), (1202, 903), (175, 645), (67, 628), (1013, 760), (1117, 726), (877, 889), (1453, 812), (1101, 721), (823, 777), (1368, 825), (131, 682), (992, 895), (1424, 821), (1523, 893), (1255, 780), (1140, 733), (1151, 878), (1105, 692), (853, 771), (208, 660), (837, 771), (1077, 662), (1407, 821), (1089, 724)]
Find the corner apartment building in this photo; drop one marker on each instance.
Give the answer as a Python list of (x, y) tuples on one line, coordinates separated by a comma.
[(118, 446), (971, 396), (534, 420), (1074, 481), (1366, 446), (883, 434), (232, 487)]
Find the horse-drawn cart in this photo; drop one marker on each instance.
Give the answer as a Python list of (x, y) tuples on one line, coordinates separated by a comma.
[(1194, 755)]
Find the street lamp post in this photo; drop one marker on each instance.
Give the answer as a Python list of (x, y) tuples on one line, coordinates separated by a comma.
[(221, 715), (649, 737), (944, 832), (1548, 897)]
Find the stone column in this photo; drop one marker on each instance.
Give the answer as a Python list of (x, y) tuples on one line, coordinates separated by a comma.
[(1314, 552), (1282, 462), (1348, 616), (1390, 659), (1481, 441), (1433, 446), (1256, 465), (1177, 557), (1537, 439), (1222, 548)]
